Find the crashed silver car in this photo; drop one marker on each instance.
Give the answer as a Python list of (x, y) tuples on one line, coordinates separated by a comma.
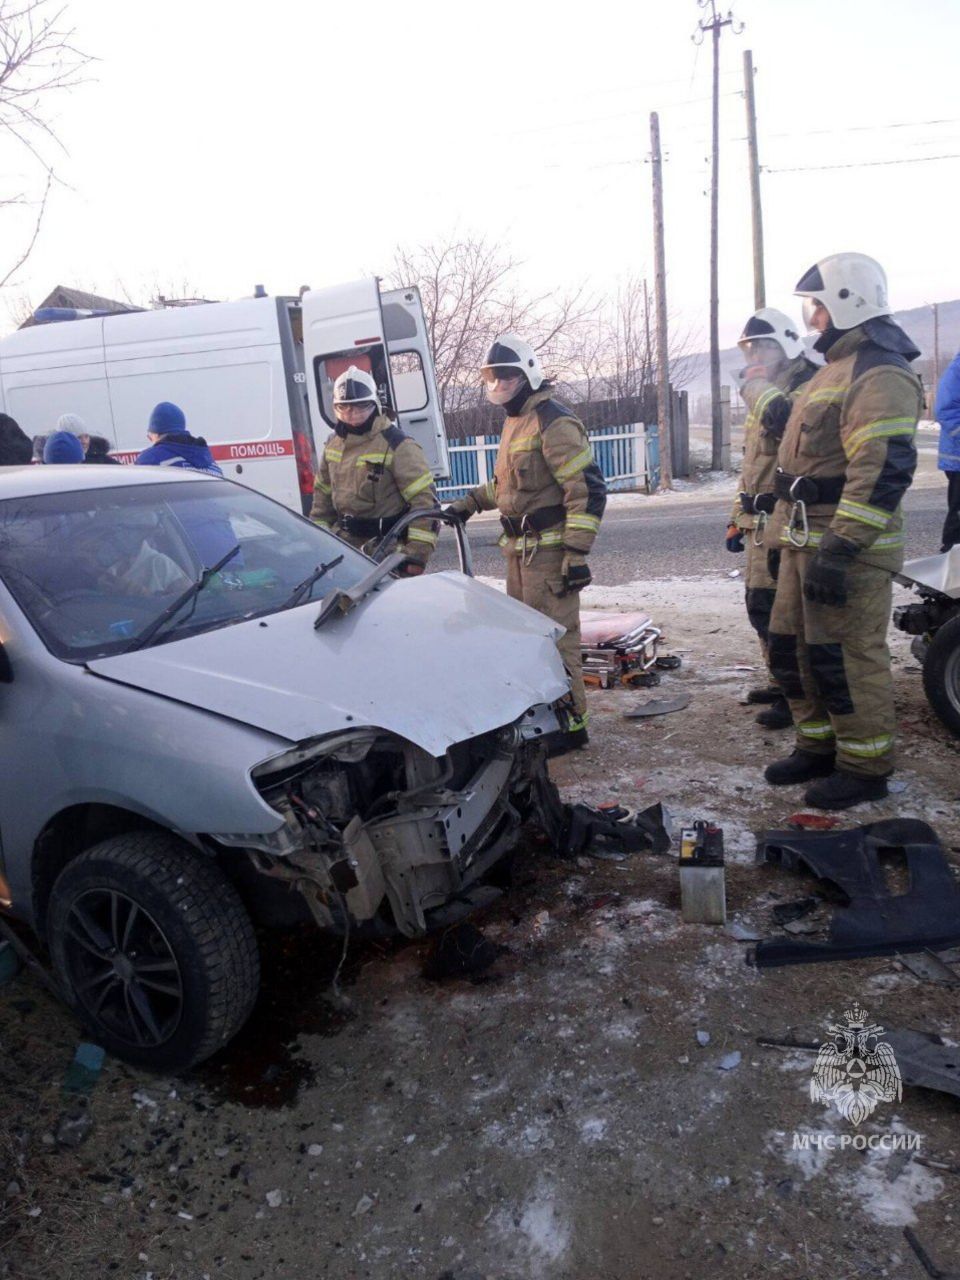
[(216, 713)]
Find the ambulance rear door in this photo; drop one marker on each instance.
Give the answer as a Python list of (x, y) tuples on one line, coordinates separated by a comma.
[(387, 337)]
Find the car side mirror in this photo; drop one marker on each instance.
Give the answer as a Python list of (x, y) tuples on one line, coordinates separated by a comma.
[(6, 670)]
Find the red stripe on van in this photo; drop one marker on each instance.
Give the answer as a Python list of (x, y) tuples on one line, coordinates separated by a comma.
[(240, 451)]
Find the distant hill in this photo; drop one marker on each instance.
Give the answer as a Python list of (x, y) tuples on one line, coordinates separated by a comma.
[(918, 323)]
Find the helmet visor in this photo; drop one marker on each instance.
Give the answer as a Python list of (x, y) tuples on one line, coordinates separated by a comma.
[(500, 373), (808, 311), (762, 351), (354, 408)]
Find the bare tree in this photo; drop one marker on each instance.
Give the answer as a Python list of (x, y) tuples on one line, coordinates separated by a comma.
[(470, 294), (38, 60), (614, 357)]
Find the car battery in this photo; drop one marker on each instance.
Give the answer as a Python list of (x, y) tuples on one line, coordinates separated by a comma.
[(702, 889)]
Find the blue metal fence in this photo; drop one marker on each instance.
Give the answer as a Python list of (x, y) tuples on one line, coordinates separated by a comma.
[(620, 453)]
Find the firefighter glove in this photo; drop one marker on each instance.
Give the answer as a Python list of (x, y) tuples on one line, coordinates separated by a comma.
[(461, 510), (826, 577), (734, 538), (410, 569), (773, 563), (575, 571)]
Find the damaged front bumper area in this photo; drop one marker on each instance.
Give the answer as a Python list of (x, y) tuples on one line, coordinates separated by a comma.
[(377, 830)]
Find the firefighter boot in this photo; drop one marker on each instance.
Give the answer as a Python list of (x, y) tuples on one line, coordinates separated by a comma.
[(776, 716), (769, 693), (799, 766), (842, 790), (572, 737)]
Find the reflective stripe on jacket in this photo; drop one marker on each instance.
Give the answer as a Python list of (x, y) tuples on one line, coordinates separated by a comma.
[(769, 403), (856, 418), (545, 460), (376, 474)]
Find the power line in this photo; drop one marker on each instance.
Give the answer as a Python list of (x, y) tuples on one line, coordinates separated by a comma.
[(861, 128), (620, 115), (862, 164)]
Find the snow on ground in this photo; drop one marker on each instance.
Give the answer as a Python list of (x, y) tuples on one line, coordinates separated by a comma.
[(710, 593)]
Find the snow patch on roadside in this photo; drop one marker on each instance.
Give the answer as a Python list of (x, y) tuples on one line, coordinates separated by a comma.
[(543, 1232), (708, 593)]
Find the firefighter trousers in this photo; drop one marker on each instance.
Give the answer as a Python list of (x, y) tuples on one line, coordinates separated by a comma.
[(761, 590), (540, 585), (833, 665)]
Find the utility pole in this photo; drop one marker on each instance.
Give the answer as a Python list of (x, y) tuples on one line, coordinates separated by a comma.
[(715, 26), (664, 414), (648, 346), (756, 216), (936, 346)]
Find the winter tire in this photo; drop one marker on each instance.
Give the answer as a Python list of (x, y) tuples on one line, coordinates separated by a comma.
[(941, 674), (154, 948)]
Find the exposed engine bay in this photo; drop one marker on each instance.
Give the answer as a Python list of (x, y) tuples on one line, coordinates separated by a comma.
[(375, 828)]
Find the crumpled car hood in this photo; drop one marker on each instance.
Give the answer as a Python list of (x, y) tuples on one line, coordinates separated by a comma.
[(941, 572), (435, 659)]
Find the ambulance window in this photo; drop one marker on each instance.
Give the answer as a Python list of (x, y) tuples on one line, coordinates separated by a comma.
[(326, 370), (409, 384), (398, 322)]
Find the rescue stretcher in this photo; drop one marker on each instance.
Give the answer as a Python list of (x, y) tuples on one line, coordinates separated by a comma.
[(618, 648)]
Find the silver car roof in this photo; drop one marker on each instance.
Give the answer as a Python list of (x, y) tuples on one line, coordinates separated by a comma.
[(32, 481)]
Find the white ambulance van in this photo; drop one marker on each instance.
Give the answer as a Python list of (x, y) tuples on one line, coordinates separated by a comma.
[(253, 377)]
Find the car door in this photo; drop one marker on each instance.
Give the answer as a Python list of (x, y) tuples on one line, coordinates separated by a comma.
[(386, 335)]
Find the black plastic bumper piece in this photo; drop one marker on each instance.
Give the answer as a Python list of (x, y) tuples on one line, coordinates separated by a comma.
[(872, 921)]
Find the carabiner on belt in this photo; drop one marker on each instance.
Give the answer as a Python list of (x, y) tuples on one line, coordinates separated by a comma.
[(798, 526), (758, 528)]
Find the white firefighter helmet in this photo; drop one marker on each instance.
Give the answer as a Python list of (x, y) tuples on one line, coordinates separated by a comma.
[(772, 325), (511, 352), (851, 286), (355, 386)]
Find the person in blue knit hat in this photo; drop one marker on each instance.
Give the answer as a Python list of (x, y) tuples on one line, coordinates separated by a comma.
[(62, 446), (172, 445)]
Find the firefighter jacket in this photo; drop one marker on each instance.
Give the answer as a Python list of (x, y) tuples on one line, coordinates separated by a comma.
[(768, 408), (374, 476), (851, 433), (546, 484)]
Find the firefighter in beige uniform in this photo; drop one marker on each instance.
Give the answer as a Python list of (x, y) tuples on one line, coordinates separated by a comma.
[(551, 497), (370, 474), (846, 461), (776, 367)]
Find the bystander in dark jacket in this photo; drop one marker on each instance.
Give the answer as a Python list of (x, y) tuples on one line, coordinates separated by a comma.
[(16, 449)]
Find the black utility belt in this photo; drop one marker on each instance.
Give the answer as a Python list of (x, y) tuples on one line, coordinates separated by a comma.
[(535, 522), (367, 526), (811, 490)]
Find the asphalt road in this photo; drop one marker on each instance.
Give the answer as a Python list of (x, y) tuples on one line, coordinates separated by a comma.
[(677, 538)]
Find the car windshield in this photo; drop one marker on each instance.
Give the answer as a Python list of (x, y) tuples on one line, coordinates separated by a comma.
[(93, 570)]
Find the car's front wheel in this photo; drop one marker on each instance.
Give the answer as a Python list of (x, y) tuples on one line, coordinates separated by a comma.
[(154, 948), (941, 674)]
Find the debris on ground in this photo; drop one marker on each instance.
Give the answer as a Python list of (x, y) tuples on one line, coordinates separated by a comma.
[(933, 966), (925, 1060), (658, 707), (461, 951), (74, 1129), (923, 913), (84, 1071)]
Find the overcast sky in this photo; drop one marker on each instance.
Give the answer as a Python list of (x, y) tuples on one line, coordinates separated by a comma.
[(219, 145)]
